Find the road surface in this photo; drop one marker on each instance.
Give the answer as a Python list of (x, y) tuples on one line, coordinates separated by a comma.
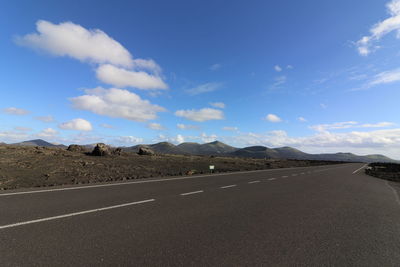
[(317, 216)]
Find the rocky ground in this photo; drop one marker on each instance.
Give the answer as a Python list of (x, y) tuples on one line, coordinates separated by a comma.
[(23, 167)]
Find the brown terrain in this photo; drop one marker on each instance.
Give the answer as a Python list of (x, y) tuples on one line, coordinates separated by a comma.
[(35, 166)]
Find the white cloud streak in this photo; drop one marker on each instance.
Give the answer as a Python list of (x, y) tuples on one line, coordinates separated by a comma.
[(48, 118), (204, 88), (187, 126), (218, 104), (365, 44), (16, 111), (73, 40), (155, 126), (204, 114), (120, 77), (117, 103)]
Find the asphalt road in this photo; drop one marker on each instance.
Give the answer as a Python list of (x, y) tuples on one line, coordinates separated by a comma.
[(315, 216)]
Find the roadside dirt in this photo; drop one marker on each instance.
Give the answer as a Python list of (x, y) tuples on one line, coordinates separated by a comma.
[(24, 167)]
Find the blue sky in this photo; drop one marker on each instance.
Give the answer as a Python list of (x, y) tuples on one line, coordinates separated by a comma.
[(321, 76)]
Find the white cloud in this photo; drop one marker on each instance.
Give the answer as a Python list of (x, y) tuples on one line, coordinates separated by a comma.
[(378, 125), (301, 119), (128, 140), (117, 103), (204, 88), (228, 128), (385, 77), (277, 68), (187, 126), (215, 67), (350, 124), (334, 126), (13, 136), (218, 104), (364, 45), (47, 133), (45, 118), (155, 126), (289, 67), (280, 80), (208, 138), (273, 118), (120, 77), (22, 129), (76, 124), (178, 139), (204, 114), (324, 106), (73, 40), (107, 126), (16, 111)]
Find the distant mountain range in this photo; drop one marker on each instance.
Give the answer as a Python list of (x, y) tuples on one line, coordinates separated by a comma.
[(217, 148), (39, 142)]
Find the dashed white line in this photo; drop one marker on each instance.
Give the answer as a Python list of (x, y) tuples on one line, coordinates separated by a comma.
[(285, 176), (253, 182), (74, 214), (227, 186), (191, 193), (271, 179), (303, 173), (294, 174)]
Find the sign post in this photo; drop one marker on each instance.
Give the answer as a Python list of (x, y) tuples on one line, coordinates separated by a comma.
[(212, 168)]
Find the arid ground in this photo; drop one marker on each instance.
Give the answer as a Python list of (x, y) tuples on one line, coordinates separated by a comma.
[(24, 167)]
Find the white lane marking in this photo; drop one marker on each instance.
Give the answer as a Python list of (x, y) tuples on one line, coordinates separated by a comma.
[(74, 214), (144, 181), (394, 192), (271, 179), (191, 193), (227, 186), (295, 174), (285, 176), (303, 173), (360, 168), (253, 182)]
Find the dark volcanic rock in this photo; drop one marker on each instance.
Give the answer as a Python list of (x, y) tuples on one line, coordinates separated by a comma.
[(76, 148), (101, 150), (145, 151), (117, 151)]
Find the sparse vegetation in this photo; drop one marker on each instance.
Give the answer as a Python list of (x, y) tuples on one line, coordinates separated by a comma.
[(387, 171), (27, 166)]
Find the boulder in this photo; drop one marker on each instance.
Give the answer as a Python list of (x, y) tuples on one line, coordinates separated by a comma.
[(117, 151), (145, 151), (76, 148), (101, 150)]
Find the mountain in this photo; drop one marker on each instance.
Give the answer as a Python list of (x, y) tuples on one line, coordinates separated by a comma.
[(162, 148), (213, 148), (38, 142), (292, 153), (218, 148)]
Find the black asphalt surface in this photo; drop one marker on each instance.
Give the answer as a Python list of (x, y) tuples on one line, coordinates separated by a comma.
[(315, 216)]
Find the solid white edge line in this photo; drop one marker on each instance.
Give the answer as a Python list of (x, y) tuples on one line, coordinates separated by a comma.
[(191, 193), (271, 179), (74, 214), (148, 181), (253, 182), (360, 168), (228, 186)]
